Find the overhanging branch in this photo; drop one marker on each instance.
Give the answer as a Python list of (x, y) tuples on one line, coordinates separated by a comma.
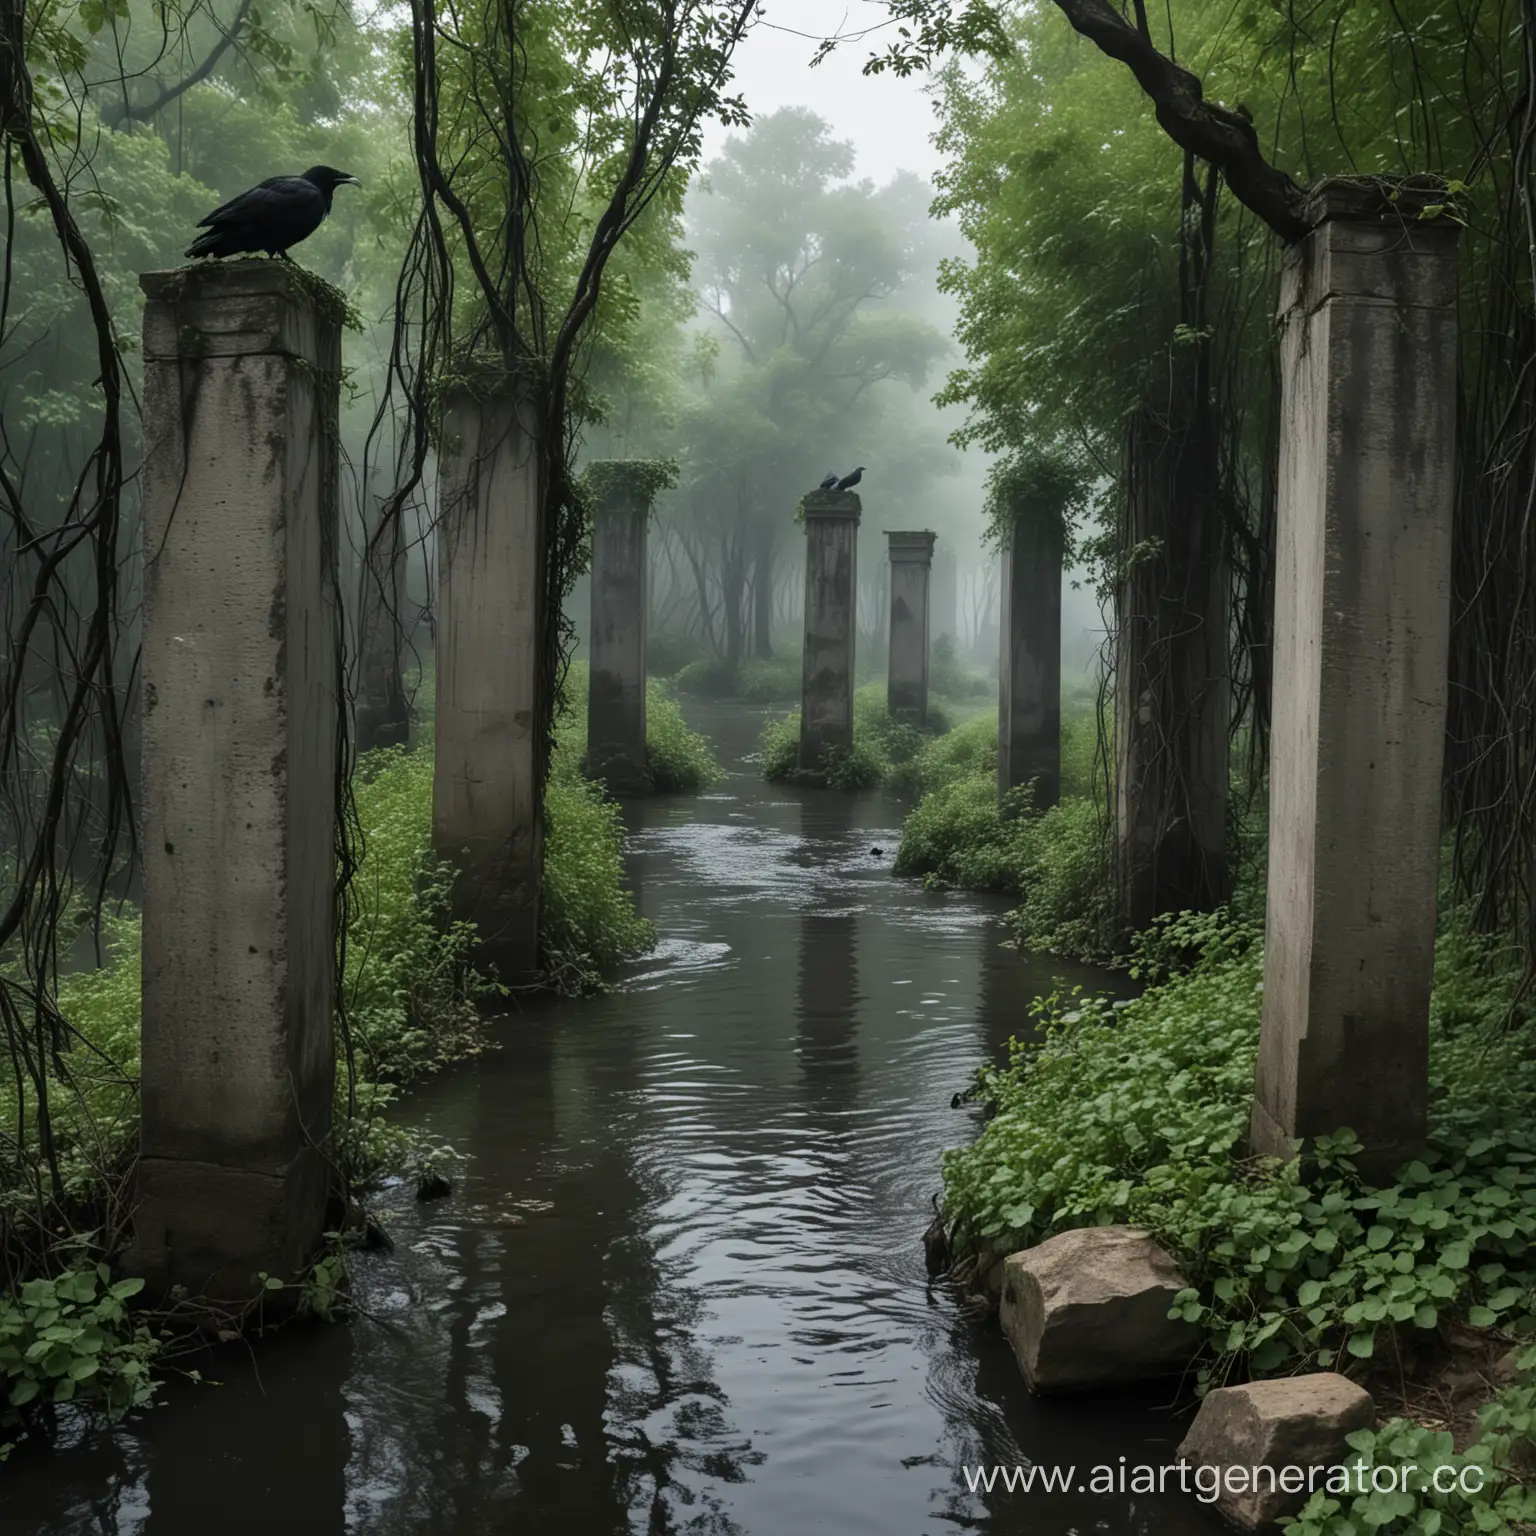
[(1225, 138)]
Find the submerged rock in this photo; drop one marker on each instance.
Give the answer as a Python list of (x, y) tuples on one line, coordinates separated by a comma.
[(1090, 1309), (433, 1186), (1288, 1427)]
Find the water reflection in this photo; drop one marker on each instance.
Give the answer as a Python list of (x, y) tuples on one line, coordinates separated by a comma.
[(678, 1287)]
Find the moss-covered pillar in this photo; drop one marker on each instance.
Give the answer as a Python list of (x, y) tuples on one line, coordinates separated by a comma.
[(1029, 660), (1362, 625), (616, 698), (485, 790), (906, 688), (242, 368), (831, 596)]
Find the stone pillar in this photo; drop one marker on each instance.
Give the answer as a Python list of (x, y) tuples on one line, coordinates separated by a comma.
[(1362, 625), (906, 689), (485, 800), (616, 698), (241, 652), (831, 592), (1029, 661)]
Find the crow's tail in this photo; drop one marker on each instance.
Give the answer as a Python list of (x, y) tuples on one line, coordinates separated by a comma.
[(204, 245)]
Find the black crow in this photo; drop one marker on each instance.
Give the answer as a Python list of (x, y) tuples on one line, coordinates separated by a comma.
[(829, 482), (272, 217), (848, 482)]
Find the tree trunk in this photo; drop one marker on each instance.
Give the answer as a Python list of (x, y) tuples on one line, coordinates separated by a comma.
[(1172, 690), (762, 595)]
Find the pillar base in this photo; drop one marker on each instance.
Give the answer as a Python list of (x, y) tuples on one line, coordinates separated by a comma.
[(214, 1231)]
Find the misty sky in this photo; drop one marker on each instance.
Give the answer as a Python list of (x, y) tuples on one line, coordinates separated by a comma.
[(889, 121)]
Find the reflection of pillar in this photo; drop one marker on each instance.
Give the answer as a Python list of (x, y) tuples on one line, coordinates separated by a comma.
[(1362, 622), (241, 638), (831, 593), (616, 697), (906, 689), (1029, 669), (828, 996), (289, 1413), (485, 804)]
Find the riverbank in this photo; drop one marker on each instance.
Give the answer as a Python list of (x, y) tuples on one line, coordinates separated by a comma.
[(1136, 1113)]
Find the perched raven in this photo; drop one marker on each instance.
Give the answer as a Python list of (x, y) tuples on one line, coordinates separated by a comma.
[(272, 217), (848, 482), (829, 482)]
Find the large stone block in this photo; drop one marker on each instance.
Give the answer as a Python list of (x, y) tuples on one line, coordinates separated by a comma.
[(1289, 1428), (1090, 1309)]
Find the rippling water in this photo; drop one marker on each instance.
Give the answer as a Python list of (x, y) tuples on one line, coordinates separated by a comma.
[(679, 1287)]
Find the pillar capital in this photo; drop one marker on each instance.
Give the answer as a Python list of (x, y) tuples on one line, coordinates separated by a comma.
[(832, 506), (1366, 245), (911, 546), (241, 309)]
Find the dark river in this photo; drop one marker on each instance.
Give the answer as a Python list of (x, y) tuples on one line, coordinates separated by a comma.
[(679, 1286)]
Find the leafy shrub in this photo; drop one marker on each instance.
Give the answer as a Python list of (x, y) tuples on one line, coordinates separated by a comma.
[(70, 1338), (588, 919), (759, 680), (711, 677), (668, 652), (1138, 1112), (884, 749), (956, 836), (770, 680), (1494, 1469), (779, 750), (678, 761), (1068, 905)]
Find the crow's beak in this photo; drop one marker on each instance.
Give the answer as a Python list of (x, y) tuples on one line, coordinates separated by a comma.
[(349, 181)]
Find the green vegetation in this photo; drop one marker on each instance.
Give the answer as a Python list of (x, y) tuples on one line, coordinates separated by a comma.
[(678, 760), (1137, 1112), (1054, 860), (759, 680), (885, 751)]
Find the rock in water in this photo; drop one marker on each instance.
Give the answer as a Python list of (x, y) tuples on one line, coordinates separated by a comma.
[(1090, 1309), (433, 1186), (1290, 1426)]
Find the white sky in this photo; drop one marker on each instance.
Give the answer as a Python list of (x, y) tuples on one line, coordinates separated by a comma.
[(889, 121)]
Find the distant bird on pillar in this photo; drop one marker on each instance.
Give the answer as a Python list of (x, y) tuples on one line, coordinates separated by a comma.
[(829, 482), (848, 482)]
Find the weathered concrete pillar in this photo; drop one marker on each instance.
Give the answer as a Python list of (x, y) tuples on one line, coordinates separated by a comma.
[(1029, 660), (831, 592), (906, 688), (1362, 624), (616, 698), (242, 372), (485, 802)]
